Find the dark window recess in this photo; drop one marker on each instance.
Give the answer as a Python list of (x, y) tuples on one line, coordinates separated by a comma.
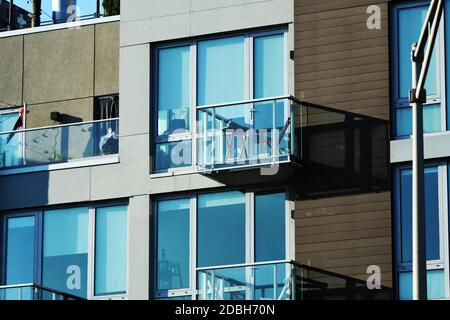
[(106, 107)]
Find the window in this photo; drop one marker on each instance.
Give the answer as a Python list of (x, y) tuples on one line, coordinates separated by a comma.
[(65, 252), (208, 72), (221, 224), (56, 248), (10, 143), (172, 268), (218, 230), (407, 20), (111, 250), (20, 255), (436, 229)]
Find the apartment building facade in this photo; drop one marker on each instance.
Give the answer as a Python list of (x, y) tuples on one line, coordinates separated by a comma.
[(219, 150)]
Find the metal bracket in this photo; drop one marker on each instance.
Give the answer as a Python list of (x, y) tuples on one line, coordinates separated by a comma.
[(422, 96)]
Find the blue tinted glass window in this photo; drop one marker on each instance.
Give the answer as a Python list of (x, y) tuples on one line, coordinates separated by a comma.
[(65, 252), (270, 221), (172, 248), (431, 119), (431, 211), (269, 66), (20, 246), (111, 250), (410, 21), (221, 229), (173, 89), (435, 285), (10, 146), (220, 70)]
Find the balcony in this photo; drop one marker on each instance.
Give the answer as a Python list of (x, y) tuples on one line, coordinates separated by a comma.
[(32, 292), (285, 280), (280, 138), (59, 146), (248, 134)]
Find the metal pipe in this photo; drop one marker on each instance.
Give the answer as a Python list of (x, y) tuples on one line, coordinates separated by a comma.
[(11, 14), (429, 51), (418, 211)]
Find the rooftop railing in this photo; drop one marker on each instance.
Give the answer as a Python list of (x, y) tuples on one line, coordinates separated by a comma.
[(18, 14), (33, 292), (59, 144)]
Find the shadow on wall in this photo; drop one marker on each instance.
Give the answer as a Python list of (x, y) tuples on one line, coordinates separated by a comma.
[(342, 153)]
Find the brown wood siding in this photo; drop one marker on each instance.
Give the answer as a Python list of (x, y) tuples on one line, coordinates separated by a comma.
[(341, 64)]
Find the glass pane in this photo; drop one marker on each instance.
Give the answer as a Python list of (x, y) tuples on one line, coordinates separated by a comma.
[(431, 119), (435, 285), (10, 144), (173, 89), (173, 155), (20, 250), (270, 222), (410, 21), (66, 250), (221, 229), (172, 251), (431, 210), (268, 278), (220, 70), (175, 298), (269, 66), (111, 250)]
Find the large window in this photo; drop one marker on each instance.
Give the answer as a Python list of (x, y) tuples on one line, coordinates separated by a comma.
[(217, 230), (407, 21), (81, 251), (210, 72), (436, 231)]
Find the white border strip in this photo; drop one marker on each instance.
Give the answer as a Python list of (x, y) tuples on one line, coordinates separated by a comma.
[(59, 26)]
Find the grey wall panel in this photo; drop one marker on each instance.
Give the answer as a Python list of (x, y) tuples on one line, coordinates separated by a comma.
[(11, 67)]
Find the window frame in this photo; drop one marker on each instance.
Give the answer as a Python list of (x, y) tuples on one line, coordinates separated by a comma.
[(39, 241), (192, 135), (443, 262), (398, 103), (249, 195)]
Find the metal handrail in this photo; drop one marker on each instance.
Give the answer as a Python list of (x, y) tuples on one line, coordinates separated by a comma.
[(59, 126), (228, 104), (37, 286), (242, 265)]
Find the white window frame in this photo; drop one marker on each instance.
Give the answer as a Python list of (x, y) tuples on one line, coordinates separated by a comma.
[(443, 262), (249, 195), (248, 90), (439, 51)]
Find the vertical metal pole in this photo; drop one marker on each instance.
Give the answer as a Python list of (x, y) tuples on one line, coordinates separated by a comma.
[(23, 137), (10, 13), (418, 212), (97, 13)]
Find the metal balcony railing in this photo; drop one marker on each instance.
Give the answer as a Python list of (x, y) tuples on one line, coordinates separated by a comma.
[(249, 133), (59, 144), (33, 292), (283, 280)]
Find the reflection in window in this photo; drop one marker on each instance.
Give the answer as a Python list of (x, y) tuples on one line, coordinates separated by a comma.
[(221, 229), (20, 250), (65, 252), (270, 220), (220, 70), (173, 89), (431, 211), (172, 249), (111, 250)]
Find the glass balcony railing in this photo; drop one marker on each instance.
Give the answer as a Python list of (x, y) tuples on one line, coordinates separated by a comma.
[(18, 14), (59, 144), (281, 281), (32, 292), (251, 133), (274, 281)]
